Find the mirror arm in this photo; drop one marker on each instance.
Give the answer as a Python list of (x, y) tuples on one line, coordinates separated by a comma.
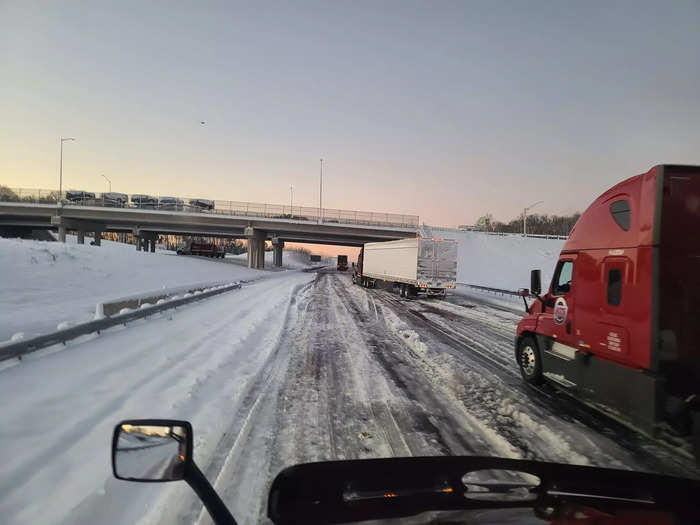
[(527, 308), (215, 506)]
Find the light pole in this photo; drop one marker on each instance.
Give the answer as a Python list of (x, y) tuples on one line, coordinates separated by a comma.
[(60, 172), (525, 210), (320, 196), (109, 181), (291, 199)]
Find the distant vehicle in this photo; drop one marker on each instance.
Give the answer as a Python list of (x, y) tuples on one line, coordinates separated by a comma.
[(171, 203), (114, 200), (619, 325), (79, 196), (201, 204), (342, 263), (204, 249), (315, 258), (143, 201), (414, 266)]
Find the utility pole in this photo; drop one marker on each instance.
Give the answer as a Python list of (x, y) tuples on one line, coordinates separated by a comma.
[(60, 173), (109, 181), (320, 196), (291, 199), (525, 210)]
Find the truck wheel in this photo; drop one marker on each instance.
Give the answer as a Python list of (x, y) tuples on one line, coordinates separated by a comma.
[(529, 360), (410, 292), (402, 290)]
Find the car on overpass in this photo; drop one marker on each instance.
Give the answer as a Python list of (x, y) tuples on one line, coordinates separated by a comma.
[(140, 200), (79, 196)]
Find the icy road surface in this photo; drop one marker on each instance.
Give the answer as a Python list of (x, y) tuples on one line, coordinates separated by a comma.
[(300, 367)]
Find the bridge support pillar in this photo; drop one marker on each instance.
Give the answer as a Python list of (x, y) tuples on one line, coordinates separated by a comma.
[(256, 248), (153, 246), (98, 238), (81, 226), (278, 246)]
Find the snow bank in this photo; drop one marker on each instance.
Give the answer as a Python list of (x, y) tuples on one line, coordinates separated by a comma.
[(47, 283), (503, 261), (291, 259)]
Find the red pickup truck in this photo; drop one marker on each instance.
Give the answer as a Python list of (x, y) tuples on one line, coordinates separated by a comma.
[(619, 325)]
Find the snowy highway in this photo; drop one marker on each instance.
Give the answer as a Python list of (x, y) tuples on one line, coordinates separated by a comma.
[(291, 368)]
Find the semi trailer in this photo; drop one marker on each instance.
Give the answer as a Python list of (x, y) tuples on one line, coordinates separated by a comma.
[(619, 326), (414, 266)]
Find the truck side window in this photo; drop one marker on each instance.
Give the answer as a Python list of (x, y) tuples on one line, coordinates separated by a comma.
[(614, 287), (562, 278), (620, 211)]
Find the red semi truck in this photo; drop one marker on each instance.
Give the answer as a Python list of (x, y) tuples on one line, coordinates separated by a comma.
[(620, 323), (204, 249)]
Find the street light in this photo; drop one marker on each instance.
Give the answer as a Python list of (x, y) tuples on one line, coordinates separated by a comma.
[(110, 182), (320, 196), (291, 199), (525, 210), (60, 172)]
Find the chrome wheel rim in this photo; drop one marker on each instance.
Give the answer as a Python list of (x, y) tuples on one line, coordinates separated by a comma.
[(527, 360)]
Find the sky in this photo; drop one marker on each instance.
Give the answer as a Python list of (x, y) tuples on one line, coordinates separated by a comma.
[(446, 110)]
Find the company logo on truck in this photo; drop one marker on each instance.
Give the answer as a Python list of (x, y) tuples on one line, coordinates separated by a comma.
[(561, 309)]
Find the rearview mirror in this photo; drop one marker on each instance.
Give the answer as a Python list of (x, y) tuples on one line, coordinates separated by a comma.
[(536, 282), (151, 450)]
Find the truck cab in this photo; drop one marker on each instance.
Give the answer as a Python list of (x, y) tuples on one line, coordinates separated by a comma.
[(619, 324), (342, 263)]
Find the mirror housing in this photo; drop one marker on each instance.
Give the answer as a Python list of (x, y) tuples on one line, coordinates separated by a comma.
[(536, 282), (152, 450)]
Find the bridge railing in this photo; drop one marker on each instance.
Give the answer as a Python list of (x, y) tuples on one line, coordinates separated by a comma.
[(217, 207)]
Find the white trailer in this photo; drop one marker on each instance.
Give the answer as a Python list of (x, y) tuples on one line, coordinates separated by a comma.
[(416, 265)]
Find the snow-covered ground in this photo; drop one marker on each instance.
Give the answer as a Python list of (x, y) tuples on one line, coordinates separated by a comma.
[(44, 284), (297, 367), (291, 259), (503, 261)]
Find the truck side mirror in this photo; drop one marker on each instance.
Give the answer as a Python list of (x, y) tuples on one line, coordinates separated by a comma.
[(536, 282)]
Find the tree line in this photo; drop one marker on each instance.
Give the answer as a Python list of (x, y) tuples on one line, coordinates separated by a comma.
[(537, 224)]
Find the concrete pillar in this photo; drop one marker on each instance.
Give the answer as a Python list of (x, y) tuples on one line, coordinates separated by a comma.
[(278, 246), (153, 246), (81, 236), (256, 248), (138, 243), (62, 233), (98, 238)]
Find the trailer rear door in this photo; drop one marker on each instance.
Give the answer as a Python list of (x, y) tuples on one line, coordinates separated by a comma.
[(437, 263), (679, 279)]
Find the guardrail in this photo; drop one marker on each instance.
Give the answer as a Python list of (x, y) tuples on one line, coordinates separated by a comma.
[(216, 207), (20, 348), (493, 290)]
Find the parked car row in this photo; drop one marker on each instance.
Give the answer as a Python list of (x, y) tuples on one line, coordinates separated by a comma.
[(121, 200)]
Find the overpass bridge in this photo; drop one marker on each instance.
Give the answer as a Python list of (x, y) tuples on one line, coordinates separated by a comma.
[(145, 219)]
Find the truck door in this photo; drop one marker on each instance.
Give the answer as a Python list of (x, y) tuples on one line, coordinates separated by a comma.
[(557, 324)]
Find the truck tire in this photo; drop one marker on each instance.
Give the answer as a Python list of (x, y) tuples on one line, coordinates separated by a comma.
[(402, 290), (410, 292), (530, 360)]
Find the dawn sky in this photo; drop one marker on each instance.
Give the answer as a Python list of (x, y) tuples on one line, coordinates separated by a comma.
[(447, 110)]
